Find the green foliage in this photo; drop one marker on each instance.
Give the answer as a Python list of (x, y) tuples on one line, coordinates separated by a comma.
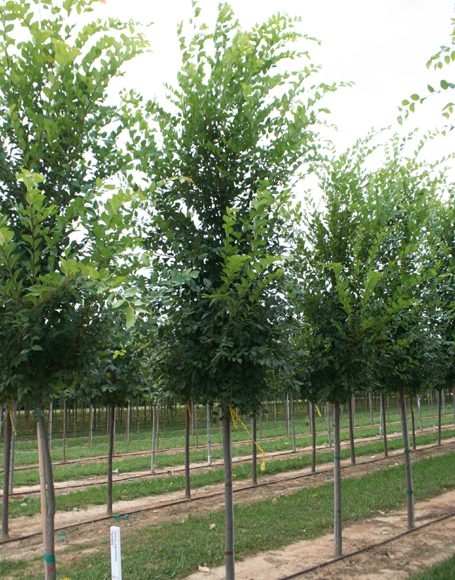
[(238, 126)]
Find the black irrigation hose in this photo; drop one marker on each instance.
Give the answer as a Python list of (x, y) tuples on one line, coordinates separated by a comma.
[(366, 548), (163, 472), (203, 497)]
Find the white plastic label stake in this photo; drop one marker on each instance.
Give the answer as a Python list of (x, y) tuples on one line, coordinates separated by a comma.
[(116, 554)]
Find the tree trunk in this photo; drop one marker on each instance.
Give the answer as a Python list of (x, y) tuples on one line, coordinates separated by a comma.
[(209, 433), (313, 438), (292, 411), (6, 472), (110, 455), (195, 424), (370, 404), (154, 436), (286, 415), (13, 448), (337, 521), (228, 497), (413, 425), (74, 418), (419, 410), (64, 428), (128, 419), (439, 416), (328, 421), (408, 463), (384, 425), (351, 431), (51, 409), (187, 451), (47, 499), (91, 424), (2, 414), (254, 461)]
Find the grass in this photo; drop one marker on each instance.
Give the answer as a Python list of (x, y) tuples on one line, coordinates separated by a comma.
[(78, 448), (443, 571), (174, 550), (133, 489)]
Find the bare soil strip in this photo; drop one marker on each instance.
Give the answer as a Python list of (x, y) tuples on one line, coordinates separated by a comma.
[(91, 534), (395, 560)]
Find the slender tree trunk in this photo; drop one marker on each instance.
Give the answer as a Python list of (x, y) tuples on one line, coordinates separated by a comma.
[(75, 418), (413, 424), (337, 521), (187, 451), (419, 410), (286, 415), (128, 419), (91, 424), (408, 463), (6, 472), (64, 429), (292, 411), (370, 404), (110, 455), (27, 417), (113, 426), (453, 404), (13, 448), (196, 425), (313, 437), (209, 433), (328, 422), (254, 461), (2, 414), (154, 437), (47, 500), (351, 431), (228, 498), (439, 416), (384, 425), (51, 414)]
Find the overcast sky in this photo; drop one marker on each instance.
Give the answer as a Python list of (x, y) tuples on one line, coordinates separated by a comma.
[(381, 45)]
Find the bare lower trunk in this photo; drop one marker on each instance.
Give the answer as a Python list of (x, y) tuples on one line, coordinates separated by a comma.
[(254, 461), (110, 455), (351, 431), (413, 425), (439, 416), (74, 418), (328, 421), (313, 437), (370, 404), (419, 410), (209, 433), (128, 420), (13, 449), (337, 521), (6, 472), (408, 463), (195, 425), (187, 451), (64, 429), (51, 414), (286, 415), (47, 500), (292, 411), (228, 498), (154, 437), (384, 425), (91, 422)]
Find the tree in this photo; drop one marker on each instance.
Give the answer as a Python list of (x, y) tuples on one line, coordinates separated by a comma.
[(58, 144), (235, 132)]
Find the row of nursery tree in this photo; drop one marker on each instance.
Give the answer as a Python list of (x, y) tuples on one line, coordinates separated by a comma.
[(158, 248)]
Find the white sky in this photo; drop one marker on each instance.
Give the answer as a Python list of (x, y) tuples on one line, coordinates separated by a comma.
[(381, 45)]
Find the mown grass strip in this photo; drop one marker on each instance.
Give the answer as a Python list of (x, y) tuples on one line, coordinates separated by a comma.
[(175, 550), (443, 571), (135, 489)]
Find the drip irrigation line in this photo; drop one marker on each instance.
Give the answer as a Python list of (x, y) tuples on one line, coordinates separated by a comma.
[(216, 463), (373, 546), (195, 498)]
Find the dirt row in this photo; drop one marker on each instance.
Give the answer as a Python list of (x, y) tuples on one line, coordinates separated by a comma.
[(146, 512)]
